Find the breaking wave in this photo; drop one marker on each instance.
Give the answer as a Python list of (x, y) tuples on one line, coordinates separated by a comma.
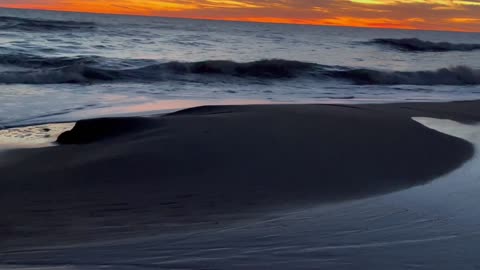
[(33, 61), (30, 25), (91, 69), (418, 45), (459, 75)]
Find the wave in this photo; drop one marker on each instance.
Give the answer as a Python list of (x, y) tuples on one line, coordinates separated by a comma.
[(30, 25), (90, 69), (33, 61), (418, 45), (459, 75)]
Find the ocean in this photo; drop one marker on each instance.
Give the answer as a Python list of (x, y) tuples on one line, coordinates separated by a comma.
[(57, 66)]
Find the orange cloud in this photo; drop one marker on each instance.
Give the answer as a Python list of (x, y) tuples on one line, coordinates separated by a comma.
[(458, 15), (465, 20), (336, 21), (367, 22), (133, 7), (415, 20)]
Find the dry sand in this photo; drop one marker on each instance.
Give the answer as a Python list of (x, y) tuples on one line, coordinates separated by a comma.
[(207, 166)]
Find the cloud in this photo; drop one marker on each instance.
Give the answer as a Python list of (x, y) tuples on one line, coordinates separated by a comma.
[(416, 20), (465, 20), (412, 14)]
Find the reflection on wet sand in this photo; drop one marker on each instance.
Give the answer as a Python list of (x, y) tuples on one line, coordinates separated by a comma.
[(163, 106), (32, 136), (99, 219)]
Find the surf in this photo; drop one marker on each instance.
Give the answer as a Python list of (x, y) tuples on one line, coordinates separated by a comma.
[(418, 45), (96, 69)]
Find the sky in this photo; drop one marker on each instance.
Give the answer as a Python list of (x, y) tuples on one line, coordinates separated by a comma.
[(453, 15)]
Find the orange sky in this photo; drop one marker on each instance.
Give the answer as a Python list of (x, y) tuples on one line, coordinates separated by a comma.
[(456, 15)]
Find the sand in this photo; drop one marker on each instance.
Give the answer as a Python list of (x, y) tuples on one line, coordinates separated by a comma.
[(211, 166)]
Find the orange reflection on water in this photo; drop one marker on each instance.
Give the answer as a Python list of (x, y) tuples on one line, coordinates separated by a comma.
[(169, 105)]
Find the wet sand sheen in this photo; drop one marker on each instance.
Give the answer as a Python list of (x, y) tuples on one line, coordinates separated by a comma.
[(426, 227), (32, 136), (209, 166)]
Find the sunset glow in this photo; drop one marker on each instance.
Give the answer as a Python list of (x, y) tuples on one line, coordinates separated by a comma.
[(455, 15)]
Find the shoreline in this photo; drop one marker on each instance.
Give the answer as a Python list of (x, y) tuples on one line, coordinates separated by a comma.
[(167, 106), (212, 165)]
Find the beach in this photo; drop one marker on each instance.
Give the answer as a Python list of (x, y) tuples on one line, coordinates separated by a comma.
[(218, 166), (134, 138)]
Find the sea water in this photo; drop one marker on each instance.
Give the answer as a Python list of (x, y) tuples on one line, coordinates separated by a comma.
[(57, 66)]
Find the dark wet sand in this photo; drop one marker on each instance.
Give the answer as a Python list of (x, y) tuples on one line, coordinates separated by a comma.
[(207, 166)]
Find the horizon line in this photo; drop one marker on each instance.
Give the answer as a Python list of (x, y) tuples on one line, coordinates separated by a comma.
[(246, 20)]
